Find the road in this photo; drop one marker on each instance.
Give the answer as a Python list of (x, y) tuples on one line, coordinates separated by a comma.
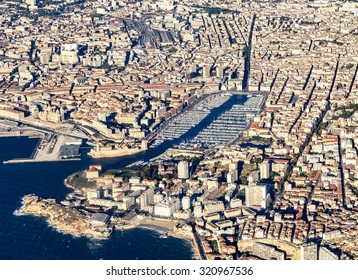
[(198, 243)]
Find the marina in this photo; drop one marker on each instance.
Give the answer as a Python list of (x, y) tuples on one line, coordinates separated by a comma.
[(221, 128), (228, 127), (219, 107), (190, 119)]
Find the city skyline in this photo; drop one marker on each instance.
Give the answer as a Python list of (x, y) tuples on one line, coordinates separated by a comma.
[(240, 119)]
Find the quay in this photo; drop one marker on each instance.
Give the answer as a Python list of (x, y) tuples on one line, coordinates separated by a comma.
[(225, 129), (51, 147), (229, 126), (193, 117), (26, 160)]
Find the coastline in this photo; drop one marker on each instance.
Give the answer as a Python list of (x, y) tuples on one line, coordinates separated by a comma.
[(71, 221), (37, 208), (163, 225), (30, 225), (171, 230), (114, 153), (63, 219)]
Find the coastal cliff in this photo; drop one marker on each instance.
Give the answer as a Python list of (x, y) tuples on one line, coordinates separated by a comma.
[(64, 219)]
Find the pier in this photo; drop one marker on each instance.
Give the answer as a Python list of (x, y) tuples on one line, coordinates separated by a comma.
[(27, 160), (48, 149), (193, 117), (224, 129), (227, 127), (51, 146)]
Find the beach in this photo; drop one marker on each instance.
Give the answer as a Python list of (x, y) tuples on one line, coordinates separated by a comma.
[(169, 226)]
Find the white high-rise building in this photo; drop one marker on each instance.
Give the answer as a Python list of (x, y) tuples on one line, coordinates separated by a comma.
[(265, 170), (186, 203), (232, 176), (326, 254), (146, 198), (309, 251), (257, 195), (183, 170), (206, 71), (167, 207), (198, 211)]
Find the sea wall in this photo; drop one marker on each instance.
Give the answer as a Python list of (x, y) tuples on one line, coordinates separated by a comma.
[(114, 153)]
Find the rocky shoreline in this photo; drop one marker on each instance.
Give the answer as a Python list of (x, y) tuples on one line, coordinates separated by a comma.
[(64, 219), (72, 221), (78, 222)]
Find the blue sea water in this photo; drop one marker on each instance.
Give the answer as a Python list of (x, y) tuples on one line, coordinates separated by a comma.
[(29, 237)]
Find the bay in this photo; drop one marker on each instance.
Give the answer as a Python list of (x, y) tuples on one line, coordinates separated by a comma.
[(29, 237)]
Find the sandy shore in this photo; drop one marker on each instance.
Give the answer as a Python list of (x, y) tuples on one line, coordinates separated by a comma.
[(169, 227), (166, 227), (160, 223)]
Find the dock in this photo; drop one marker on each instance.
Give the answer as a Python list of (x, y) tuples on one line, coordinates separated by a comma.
[(224, 130), (191, 118), (47, 149), (227, 127), (27, 160)]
